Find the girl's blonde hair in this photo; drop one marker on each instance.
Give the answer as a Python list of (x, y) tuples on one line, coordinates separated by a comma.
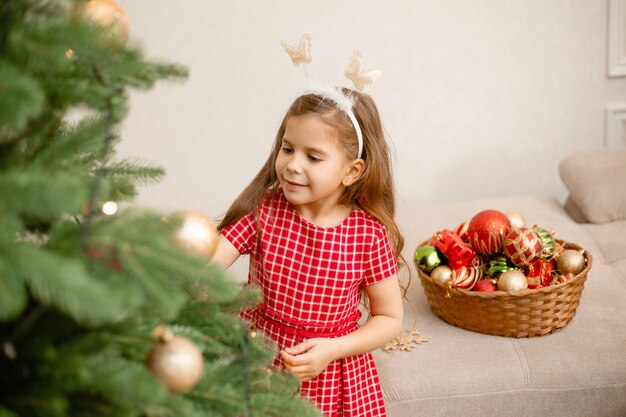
[(373, 192)]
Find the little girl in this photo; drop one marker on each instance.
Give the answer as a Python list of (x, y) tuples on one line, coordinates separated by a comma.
[(318, 224)]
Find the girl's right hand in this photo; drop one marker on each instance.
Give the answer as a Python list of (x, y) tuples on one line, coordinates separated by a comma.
[(309, 358)]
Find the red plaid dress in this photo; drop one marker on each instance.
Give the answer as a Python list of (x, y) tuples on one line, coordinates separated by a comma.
[(311, 279)]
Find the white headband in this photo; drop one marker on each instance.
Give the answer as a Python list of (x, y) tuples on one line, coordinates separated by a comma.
[(343, 102), (301, 55)]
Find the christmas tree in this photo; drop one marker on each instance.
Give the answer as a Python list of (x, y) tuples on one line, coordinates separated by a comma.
[(88, 280)]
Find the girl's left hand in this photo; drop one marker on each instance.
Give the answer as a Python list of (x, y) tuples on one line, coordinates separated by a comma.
[(308, 359)]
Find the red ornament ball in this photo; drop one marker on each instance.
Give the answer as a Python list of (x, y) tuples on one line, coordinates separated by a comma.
[(523, 246), (487, 230), (485, 285)]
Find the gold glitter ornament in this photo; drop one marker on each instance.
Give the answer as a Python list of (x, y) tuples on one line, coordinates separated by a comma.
[(441, 275), (513, 280), (175, 360), (570, 262)]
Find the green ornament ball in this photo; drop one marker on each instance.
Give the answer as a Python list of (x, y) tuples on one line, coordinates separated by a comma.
[(427, 258), (498, 265), (548, 242)]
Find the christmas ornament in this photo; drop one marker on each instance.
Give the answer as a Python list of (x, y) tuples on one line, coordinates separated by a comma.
[(465, 277), (487, 230), (455, 250), (427, 258), (405, 340), (570, 262), (461, 230), (513, 280), (539, 273), (441, 275), (522, 246), (105, 13), (497, 265), (197, 233), (485, 285), (548, 244), (107, 255), (561, 278), (175, 360), (516, 219), (559, 250)]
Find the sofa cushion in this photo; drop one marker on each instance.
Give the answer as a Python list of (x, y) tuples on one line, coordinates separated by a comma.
[(596, 180), (610, 239)]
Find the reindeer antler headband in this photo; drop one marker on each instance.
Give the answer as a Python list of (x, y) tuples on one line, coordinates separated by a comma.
[(301, 55)]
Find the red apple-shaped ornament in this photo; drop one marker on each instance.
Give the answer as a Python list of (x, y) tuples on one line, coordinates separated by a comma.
[(486, 231)]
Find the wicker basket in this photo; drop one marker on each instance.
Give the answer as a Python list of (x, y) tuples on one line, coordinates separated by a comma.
[(526, 313)]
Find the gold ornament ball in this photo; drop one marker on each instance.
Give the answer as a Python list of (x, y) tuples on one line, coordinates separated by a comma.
[(197, 233), (570, 262), (175, 360), (105, 13), (441, 275), (512, 280), (516, 219)]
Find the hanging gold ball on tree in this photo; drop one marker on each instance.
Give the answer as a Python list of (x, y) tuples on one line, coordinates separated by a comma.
[(197, 233), (175, 360), (570, 262), (105, 13)]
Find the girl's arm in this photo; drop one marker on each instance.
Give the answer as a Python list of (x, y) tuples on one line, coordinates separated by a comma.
[(225, 253), (311, 357)]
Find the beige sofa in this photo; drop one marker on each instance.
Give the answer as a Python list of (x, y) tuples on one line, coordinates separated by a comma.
[(577, 371)]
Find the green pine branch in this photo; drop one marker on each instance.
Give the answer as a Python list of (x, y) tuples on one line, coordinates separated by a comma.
[(80, 292)]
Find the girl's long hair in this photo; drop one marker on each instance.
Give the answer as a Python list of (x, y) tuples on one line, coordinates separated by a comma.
[(373, 192)]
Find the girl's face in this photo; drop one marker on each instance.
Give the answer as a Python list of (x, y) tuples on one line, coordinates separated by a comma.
[(311, 166)]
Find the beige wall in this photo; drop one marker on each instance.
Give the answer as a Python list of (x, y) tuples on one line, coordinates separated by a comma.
[(479, 98)]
